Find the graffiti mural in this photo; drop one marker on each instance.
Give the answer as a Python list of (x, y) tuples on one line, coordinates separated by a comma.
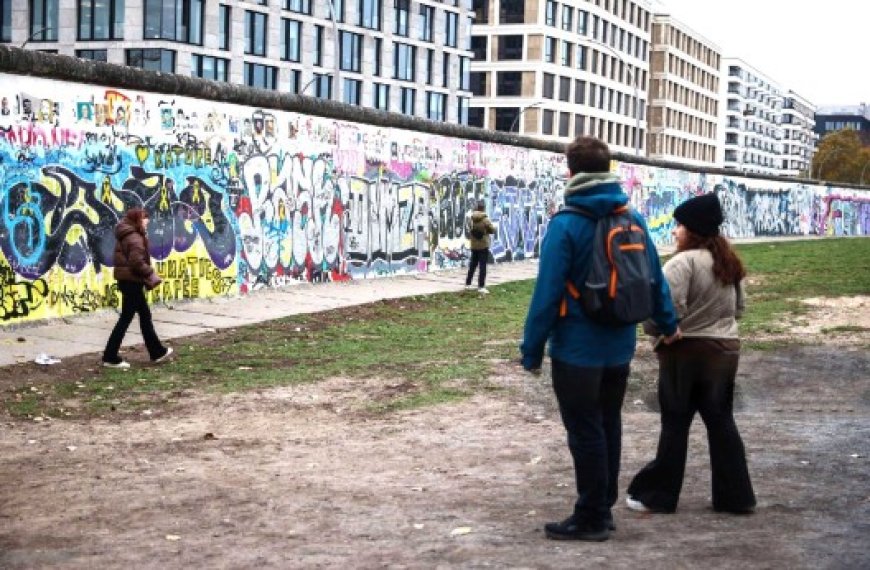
[(243, 198)]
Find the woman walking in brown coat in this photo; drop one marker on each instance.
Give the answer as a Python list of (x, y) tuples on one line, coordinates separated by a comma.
[(134, 272)]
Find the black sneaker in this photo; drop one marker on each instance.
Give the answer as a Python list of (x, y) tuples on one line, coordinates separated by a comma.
[(572, 529)]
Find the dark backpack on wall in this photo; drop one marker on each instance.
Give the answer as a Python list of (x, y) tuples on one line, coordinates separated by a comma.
[(617, 288)]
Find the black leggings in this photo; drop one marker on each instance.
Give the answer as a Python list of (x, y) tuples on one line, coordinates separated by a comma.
[(478, 257), (133, 302)]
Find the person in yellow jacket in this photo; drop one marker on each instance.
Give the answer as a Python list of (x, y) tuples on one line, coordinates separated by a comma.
[(478, 228)]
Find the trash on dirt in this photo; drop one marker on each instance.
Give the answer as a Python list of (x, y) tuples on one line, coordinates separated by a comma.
[(71, 448), (209, 435), (638, 402), (147, 412), (856, 456), (45, 359), (419, 526), (459, 531), (535, 460), (173, 537), (245, 368), (21, 339)]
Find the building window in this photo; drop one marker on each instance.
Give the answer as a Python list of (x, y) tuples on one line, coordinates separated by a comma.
[(550, 13), (318, 45), (510, 47), (478, 47), (100, 20), (564, 124), (5, 21), (224, 25), (152, 59), (436, 105), (548, 85), (403, 9), (510, 83), (451, 29), (564, 89), (581, 57), (379, 55), (262, 76), (475, 117), (550, 50), (582, 19), (567, 18), (445, 69), (295, 80), (430, 64), (322, 86), (406, 102), (370, 14), (351, 51), (43, 20), (381, 97), (93, 54), (512, 12), (352, 91), (255, 33), (464, 71), (427, 22), (291, 40), (579, 125), (479, 83), (403, 62), (580, 92), (565, 55), (337, 7), (462, 110), (481, 12), (208, 67), (506, 118), (300, 6), (547, 126), (178, 20)]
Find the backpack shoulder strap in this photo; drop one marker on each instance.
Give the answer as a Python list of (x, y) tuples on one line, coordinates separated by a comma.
[(575, 210)]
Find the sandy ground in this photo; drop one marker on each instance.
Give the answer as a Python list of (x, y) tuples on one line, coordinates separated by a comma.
[(305, 477)]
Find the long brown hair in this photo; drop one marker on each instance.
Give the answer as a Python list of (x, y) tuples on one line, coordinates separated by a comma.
[(727, 266), (136, 215)]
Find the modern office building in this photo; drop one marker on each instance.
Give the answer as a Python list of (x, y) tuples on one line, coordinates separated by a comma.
[(558, 69), (798, 135), (408, 56), (752, 118), (684, 95), (836, 118)]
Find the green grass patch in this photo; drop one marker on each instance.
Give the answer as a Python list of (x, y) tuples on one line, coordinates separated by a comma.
[(441, 345)]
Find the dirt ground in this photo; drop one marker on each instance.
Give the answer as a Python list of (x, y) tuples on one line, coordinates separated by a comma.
[(305, 477)]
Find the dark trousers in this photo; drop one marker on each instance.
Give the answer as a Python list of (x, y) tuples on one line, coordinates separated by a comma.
[(478, 257), (697, 376), (133, 302), (590, 402)]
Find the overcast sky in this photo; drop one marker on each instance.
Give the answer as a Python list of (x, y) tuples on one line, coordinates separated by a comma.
[(820, 50)]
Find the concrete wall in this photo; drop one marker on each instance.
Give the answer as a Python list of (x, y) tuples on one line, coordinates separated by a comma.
[(251, 189)]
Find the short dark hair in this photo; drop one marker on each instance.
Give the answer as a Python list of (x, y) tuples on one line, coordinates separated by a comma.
[(481, 206), (587, 154)]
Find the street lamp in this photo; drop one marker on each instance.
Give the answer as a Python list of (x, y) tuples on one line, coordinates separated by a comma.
[(337, 56), (523, 110), (36, 33), (633, 77)]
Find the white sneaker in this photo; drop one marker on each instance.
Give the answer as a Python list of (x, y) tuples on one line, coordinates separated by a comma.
[(483, 291), (636, 505), (165, 357), (470, 287), (122, 364)]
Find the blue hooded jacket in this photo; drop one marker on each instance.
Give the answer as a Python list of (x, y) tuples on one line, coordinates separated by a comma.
[(566, 254)]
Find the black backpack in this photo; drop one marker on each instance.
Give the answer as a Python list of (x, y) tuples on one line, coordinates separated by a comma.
[(617, 288)]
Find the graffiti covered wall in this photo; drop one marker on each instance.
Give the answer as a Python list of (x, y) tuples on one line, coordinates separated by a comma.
[(242, 198)]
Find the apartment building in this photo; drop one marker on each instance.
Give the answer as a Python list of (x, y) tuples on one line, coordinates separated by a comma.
[(752, 118), (830, 119), (407, 56), (558, 69), (798, 135), (684, 95)]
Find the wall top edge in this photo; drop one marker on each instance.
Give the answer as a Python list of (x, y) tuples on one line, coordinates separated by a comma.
[(19, 61)]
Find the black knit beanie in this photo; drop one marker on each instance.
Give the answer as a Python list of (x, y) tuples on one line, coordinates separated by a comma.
[(701, 215)]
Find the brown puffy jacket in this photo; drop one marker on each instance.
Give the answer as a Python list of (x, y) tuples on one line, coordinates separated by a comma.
[(131, 258)]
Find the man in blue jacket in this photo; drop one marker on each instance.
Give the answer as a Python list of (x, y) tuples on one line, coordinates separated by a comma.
[(590, 361)]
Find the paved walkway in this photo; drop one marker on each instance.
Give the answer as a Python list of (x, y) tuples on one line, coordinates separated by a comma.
[(62, 338)]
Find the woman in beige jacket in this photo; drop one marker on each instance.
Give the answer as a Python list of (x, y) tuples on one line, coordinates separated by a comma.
[(696, 374)]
